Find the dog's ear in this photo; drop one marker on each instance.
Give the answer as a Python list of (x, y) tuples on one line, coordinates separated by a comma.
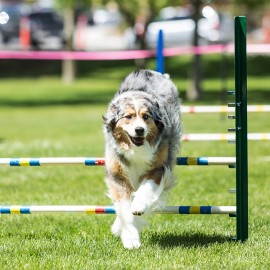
[(159, 123), (109, 123), (110, 119), (157, 117)]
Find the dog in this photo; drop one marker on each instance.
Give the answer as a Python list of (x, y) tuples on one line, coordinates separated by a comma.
[(142, 129)]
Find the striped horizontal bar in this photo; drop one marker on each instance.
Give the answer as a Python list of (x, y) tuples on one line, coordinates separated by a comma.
[(70, 161), (50, 161), (92, 209), (223, 109), (223, 137)]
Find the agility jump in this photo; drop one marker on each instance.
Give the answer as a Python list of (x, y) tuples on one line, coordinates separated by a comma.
[(240, 161)]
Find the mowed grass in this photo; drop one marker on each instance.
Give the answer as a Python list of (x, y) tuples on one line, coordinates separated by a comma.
[(50, 119)]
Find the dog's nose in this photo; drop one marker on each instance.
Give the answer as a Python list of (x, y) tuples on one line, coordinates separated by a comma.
[(139, 131)]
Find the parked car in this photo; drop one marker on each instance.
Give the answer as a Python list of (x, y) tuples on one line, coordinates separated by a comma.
[(10, 30), (45, 27), (46, 30), (178, 28)]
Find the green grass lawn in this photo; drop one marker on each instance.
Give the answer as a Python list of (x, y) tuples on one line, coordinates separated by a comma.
[(44, 118)]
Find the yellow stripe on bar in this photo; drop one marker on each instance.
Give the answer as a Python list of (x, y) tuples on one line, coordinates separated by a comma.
[(24, 162), (223, 137), (260, 108), (192, 161), (15, 210), (194, 210), (223, 109), (90, 210)]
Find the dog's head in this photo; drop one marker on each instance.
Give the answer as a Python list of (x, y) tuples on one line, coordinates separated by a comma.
[(133, 118)]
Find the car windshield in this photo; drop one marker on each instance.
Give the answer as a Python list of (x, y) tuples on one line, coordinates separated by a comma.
[(172, 19), (45, 18)]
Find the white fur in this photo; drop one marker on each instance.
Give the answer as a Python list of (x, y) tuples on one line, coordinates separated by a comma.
[(140, 157), (149, 194), (145, 196)]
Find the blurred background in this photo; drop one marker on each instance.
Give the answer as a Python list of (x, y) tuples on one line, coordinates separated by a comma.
[(121, 25), (118, 25)]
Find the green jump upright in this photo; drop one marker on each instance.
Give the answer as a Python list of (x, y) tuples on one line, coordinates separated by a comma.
[(241, 129)]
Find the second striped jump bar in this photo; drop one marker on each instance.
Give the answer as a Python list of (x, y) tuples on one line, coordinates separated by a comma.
[(91, 161)]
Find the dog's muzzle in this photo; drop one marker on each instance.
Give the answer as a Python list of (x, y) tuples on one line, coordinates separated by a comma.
[(138, 141)]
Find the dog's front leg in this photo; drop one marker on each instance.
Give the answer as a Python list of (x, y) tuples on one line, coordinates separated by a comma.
[(126, 225), (146, 195), (150, 190)]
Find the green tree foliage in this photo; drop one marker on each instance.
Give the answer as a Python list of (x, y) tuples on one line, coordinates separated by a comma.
[(251, 3), (72, 3), (134, 8)]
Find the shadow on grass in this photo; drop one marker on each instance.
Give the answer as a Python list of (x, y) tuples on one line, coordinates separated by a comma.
[(171, 240)]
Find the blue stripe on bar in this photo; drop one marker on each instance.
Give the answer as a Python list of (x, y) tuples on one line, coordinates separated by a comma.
[(202, 161), (184, 209), (34, 162), (90, 162), (205, 209), (14, 162), (182, 161), (25, 210), (5, 210), (110, 210)]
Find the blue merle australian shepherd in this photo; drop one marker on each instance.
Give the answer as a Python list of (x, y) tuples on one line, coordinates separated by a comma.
[(142, 130)]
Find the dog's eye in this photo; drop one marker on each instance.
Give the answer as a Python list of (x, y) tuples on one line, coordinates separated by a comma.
[(145, 116), (128, 116)]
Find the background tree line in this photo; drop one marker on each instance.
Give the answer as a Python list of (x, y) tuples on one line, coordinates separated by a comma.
[(145, 11)]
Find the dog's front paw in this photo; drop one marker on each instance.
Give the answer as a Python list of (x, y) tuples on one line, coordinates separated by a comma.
[(131, 243), (138, 209), (130, 238)]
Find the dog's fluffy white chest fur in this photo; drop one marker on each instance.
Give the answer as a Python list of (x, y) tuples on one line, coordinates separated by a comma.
[(139, 160)]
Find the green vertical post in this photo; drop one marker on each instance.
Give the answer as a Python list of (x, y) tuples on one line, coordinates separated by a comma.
[(241, 129)]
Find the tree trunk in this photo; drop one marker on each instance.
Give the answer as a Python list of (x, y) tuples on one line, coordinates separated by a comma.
[(68, 66), (195, 90)]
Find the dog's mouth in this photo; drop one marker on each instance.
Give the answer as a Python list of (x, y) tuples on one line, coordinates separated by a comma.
[(138, 141)]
